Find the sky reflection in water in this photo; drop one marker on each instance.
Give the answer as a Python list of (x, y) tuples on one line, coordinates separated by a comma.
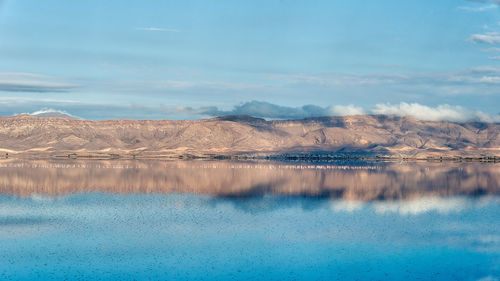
[(263, 227)]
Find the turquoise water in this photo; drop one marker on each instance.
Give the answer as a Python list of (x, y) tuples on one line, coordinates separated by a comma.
[(253, 236)]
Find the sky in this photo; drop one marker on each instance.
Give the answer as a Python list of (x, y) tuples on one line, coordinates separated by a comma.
[(436, 60)]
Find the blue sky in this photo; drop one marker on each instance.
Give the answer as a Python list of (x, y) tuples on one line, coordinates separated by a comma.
[(195, 59)]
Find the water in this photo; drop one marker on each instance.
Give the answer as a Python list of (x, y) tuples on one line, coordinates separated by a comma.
[(197, 220)]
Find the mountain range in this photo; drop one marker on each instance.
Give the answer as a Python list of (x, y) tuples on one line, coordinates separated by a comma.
[(375, 135)]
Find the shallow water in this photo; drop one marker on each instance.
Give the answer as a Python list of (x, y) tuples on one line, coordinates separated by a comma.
[(195, 220)]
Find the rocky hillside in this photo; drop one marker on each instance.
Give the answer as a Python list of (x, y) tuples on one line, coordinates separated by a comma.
[(373, 134)]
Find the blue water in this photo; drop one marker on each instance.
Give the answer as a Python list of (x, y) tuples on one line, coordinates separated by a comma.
[(199, 220), (272, 237)]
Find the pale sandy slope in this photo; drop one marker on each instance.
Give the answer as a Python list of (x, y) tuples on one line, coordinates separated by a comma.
[(382, 135)]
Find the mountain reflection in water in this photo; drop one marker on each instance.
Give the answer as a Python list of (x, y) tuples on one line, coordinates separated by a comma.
[(362, 181), (200, 220)]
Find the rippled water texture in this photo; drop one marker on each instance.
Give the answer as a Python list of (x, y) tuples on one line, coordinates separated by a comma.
[(193, 220)]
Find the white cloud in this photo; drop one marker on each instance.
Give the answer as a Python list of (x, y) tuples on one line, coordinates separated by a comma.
[(158, 29), (439, 113), (487, 38), (478, 9), (273, 111), (494, 58), (345, 110), (49, 112)]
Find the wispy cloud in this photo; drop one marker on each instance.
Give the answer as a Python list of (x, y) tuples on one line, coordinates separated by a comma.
[(491, 50), (161, 29), (29, 82), (181, 84), (485, 1), (494, 58), (487, 38), (476, 75), (478, 9)]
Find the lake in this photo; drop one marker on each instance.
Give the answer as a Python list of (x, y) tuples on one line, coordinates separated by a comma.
[(256, 220)]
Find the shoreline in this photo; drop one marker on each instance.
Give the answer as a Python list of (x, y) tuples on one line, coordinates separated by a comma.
[(285, 157)]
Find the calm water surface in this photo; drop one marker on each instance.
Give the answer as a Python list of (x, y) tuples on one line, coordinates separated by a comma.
[(197, 220)]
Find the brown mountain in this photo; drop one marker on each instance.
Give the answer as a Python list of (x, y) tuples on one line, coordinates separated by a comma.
[(375, 134)]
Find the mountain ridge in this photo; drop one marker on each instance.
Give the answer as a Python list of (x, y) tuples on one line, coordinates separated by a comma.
[(382, 135)]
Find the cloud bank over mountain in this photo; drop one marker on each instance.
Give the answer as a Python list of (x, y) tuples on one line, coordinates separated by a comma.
[(262, 109), (274, 111), (439, 113), (259, 109)]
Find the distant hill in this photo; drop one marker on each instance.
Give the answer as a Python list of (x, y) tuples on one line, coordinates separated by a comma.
[(372, 134)]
